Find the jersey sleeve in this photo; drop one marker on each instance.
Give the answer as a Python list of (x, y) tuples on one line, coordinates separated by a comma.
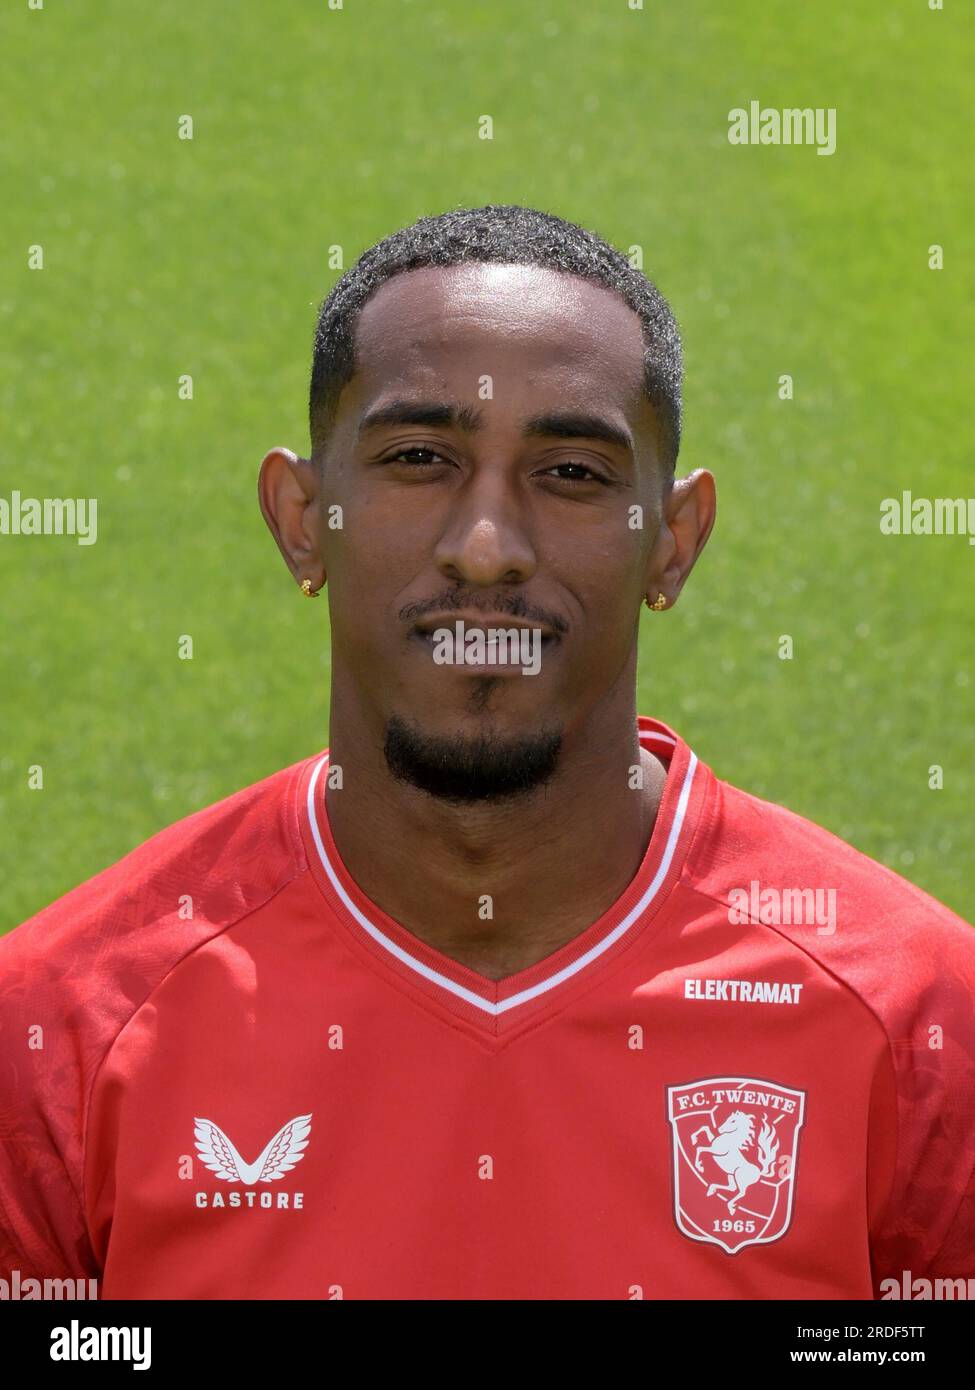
[(42, 1226), (73, 976), (928, 1227), (910, 961)]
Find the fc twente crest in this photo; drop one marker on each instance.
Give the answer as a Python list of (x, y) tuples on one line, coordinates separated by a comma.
[(736, 1147)]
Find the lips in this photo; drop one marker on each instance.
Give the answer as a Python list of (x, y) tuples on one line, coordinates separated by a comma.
[(480, 622), (480, 645)]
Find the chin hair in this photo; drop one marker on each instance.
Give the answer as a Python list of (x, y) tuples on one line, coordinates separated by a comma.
[(457, 768)]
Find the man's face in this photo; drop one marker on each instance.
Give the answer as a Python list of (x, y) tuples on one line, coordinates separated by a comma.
[(501, 507)]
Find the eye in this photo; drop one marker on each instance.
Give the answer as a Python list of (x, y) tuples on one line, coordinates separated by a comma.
[(581, 473), (413, 449)]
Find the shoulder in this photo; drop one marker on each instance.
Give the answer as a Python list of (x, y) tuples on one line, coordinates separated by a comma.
[(907, 958), (130, 923), (74, 975), (767, 859)]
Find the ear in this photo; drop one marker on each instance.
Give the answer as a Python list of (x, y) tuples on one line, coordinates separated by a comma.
[(287, 488), (689, 512)]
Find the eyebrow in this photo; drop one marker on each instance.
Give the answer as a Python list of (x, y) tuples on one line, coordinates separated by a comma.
[(558, 424)]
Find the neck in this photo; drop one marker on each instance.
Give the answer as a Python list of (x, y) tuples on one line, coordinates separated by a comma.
[(496, 886)]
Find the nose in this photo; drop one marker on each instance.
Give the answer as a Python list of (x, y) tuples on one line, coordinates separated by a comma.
[(486, 539)]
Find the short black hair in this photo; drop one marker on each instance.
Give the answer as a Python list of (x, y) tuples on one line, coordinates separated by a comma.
[(505, 234)]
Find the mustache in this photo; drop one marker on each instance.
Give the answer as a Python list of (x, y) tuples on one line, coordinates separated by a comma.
[(457, 600)]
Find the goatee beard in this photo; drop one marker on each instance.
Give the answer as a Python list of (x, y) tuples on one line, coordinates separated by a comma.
[(462, 769)]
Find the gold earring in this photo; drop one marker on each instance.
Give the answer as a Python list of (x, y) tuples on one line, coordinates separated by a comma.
[(306, 589), (659, 603)]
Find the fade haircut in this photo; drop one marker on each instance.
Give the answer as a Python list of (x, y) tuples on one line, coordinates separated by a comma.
[(506, 234)]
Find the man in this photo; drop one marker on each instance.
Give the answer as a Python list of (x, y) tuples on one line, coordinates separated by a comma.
[(506, 995)]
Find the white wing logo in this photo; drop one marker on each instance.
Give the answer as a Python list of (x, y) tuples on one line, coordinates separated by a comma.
[(277, 1158)]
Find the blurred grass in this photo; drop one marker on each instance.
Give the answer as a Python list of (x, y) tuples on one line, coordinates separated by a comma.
[(315, 127)]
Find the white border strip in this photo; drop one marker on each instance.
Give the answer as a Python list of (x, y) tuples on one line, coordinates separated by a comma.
[(544, 985)]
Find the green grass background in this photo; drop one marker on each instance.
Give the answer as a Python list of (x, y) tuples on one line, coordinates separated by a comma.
[(316, 127)]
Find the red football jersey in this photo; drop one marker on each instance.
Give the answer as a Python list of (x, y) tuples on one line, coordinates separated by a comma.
[(225, 1073)]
